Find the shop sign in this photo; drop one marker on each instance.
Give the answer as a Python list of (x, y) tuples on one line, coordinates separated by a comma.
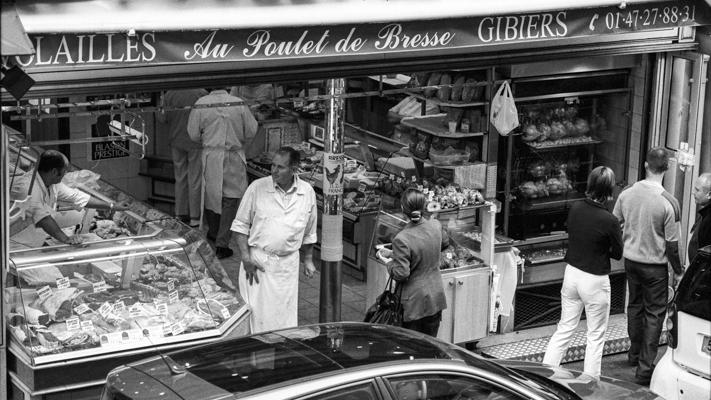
[(333, 164), (89, 49)]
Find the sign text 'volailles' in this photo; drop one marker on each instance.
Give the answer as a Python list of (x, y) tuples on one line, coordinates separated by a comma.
[(150, 48)]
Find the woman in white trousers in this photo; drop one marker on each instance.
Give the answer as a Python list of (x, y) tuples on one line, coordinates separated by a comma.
[(594, 235)]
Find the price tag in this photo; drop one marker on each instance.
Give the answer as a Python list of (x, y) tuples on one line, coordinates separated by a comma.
[(425, 191), (162, 308), (171, 285), (362, 187), (119, 307), (99, 286), (73, 324), (225, 313), (177, 329), (398, 180), (44, 292), (420, 187), (63, 283), (167, 329), (449, 256), (392, 177), (402, 173), (414, 178), (430, 196), (81, 308), (87, 326), (173, 297), (135, 310), (105, 309)]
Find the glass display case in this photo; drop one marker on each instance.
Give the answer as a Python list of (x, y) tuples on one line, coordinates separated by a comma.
[(119, 295)]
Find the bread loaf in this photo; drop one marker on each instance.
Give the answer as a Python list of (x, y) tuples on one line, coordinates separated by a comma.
[(468, 90), (432, 81), (458, 88), (445, 91)]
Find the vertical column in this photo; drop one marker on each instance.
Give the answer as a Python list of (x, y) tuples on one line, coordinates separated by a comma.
[(4, 255), (332, 218)]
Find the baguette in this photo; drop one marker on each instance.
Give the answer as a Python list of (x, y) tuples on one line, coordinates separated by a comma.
[(432, 81), (469, 90), (445, 91), (458, 88)]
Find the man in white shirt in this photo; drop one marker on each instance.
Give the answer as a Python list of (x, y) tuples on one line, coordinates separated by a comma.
[(276, 219), (224, 133), (48, 189)]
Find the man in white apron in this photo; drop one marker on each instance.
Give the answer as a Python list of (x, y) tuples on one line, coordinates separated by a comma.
[(42, 208), (276, 219), (224, 133)]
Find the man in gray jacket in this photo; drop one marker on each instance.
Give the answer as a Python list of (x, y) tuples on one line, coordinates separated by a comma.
[(650, 230)]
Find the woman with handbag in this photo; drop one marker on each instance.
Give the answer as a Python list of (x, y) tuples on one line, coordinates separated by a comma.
[(414, 264), (594, 235)]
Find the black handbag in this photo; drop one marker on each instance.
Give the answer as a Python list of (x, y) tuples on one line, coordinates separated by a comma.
[(388, 306)]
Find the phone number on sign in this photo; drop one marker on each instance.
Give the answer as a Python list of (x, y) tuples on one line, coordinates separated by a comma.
[(649, 17)]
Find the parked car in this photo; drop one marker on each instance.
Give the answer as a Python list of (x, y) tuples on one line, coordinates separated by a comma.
[(349, 361), (684, 371)]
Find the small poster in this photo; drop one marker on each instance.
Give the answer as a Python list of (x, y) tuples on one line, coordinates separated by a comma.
[(333, 173)]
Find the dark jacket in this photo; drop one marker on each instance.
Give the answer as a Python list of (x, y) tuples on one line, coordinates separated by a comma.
[(594, 235), (415, 265), (701, 231)]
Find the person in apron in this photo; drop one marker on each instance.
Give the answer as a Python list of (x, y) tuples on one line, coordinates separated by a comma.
[(224, 133), (276, 219), (42, 208)]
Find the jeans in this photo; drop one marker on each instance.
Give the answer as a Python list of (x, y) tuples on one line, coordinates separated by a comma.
[(218, 225), (646, 311), (581, 290), (428, 325), (187, 169)]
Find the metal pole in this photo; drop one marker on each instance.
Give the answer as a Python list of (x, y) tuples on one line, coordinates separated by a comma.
[(4, 254), (332, 218)]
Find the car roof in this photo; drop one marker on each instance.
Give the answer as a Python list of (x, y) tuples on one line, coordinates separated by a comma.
[(249, 363)]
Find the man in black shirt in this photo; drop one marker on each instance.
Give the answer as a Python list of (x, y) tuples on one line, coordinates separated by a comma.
[(701, 231)]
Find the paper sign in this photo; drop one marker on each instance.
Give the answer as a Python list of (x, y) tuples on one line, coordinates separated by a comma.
[(135, 310), (362, 187), (105, 309), (173, 297), (119, 307), (225, 313), (392, 177), (87, 326), (63, 283), (73, 324), (414, 178), (81, 308), (171, 285), (44, 292), (177, 329), (398, 180), (99, 286), (167, 329), (333, 165), (162, 308)]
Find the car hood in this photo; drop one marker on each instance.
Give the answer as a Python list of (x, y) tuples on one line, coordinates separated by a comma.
[(184, 384), (584, 386)]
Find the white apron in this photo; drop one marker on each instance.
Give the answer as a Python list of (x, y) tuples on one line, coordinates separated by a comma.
[(275, 299)]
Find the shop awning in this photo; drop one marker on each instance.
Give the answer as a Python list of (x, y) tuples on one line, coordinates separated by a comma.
[(101, 46), (13, 37)]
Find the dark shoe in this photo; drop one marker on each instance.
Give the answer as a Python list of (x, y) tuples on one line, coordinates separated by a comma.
[(642, 381), (223, 252)]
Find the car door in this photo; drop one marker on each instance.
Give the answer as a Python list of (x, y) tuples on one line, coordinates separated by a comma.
[(440, 386)]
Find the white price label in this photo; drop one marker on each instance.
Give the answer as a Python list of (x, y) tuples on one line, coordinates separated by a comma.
[(413, 178), (105, 309), (362, 187), (73, 324), (119, 307), (87, 326), (167, 329), (171, 285), (162, 308), (392, 177), (44, 292), (173, 297), (398, 180), (81, 308), (99, 286), (225, 313), (63, 283), (177, 329), (135, 310), (425, 191)]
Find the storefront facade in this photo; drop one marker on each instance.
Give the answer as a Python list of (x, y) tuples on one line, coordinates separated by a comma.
[(625, 65)]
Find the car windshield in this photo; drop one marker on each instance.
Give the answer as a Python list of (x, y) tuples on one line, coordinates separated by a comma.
[(260, 360)]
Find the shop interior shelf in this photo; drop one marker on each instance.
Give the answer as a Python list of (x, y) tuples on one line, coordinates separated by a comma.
[(548, 202), (435, 125), (548, 144), (457, 104), (406, 152), (570, 94)]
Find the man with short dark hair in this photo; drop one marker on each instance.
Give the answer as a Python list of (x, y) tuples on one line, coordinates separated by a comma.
[(701, 231), (46, 191), (276, 219), (650, 230)]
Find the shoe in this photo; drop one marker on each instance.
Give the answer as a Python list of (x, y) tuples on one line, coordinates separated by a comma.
[(194, 223), (223, 252)]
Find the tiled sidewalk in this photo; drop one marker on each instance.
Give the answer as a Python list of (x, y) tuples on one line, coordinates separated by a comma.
[(352, 292)]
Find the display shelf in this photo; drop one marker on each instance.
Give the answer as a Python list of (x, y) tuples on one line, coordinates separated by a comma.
[(455, 104), (561, 143), (434, 125), (408, 153), (549, 202), (398, 80), (571, 94), (373, 139)]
